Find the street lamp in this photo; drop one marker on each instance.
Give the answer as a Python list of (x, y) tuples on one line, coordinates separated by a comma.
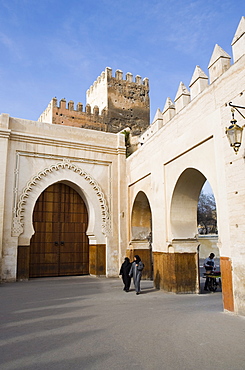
[(234, 132)]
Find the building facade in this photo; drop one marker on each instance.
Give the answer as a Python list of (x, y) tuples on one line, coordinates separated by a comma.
[(72, 203)]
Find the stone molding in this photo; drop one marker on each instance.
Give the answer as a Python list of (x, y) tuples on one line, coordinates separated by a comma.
[(18, 217), (64, 143), (5, 134)]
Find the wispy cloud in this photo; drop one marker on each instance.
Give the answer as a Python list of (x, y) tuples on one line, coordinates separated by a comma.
[(61, 47), (7, 42)]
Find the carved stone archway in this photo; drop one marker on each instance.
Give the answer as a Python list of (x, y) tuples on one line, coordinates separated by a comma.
[(40, 181)]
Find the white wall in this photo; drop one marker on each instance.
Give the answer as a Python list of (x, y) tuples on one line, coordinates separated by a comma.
[(195, 138), (40, 154)]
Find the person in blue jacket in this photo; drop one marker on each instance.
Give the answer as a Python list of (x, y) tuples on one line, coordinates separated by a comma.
[(136, 272)]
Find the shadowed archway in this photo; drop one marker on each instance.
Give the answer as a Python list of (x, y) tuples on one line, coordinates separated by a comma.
[(141, 232), (183, 212)]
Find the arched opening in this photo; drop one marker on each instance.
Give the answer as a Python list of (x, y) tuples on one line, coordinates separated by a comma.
[(141, 218), (59, 245), (183, 213), (89, 191), (208, 234), (185, 244), (206, 211), (141, 232)]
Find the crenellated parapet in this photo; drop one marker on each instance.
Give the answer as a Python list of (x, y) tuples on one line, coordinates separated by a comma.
[(106, 76), (219, 63), (198, 83), (238, 42), (64, 107), (126, 100), (115, 101), (112, 103), (182, 97), (152, 129), (97, 94), (64, 113)]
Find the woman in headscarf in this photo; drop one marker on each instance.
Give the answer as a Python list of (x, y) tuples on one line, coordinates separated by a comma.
[(136, 272), (124, 271)]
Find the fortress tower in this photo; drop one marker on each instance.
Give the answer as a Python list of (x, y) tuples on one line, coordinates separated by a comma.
[(112, 104), (126, 102)]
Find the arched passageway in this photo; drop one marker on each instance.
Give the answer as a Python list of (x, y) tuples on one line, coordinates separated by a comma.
[(141, 218), (60, 244), (208, 236), (141, 232), (177, 270), (84, 237), (183, 213)]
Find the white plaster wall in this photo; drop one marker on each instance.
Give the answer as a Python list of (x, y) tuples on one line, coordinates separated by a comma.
[(46, 116), (98, 94), (195, 137), (36, 149)]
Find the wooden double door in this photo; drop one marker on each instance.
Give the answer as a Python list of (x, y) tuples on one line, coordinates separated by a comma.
[(60, 244)]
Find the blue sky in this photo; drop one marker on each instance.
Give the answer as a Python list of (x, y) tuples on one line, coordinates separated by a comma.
[(58, 48)]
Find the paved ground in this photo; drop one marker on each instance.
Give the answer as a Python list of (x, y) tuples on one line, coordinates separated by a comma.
[(90, 323)]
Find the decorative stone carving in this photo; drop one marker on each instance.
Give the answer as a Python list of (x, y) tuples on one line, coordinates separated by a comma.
[(18, 217)]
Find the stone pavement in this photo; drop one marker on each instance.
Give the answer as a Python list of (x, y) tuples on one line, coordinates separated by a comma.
[(90, 323)]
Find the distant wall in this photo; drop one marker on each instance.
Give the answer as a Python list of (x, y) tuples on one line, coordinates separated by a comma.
[(208, 244)]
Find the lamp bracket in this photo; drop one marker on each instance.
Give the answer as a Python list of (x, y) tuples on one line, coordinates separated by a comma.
[(237, 106)]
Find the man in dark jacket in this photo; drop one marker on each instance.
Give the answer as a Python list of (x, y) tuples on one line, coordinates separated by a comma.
[(209, 266), (124, 271), (136, 272)]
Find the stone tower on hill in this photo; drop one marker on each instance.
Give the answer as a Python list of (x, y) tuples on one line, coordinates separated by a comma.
[(112, 105)]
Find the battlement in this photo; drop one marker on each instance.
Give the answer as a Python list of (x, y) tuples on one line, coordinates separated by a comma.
[(219, 63), (66, 114), (106, 76), (65, 108), (98, 93), (112, 104), (126, 100)]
